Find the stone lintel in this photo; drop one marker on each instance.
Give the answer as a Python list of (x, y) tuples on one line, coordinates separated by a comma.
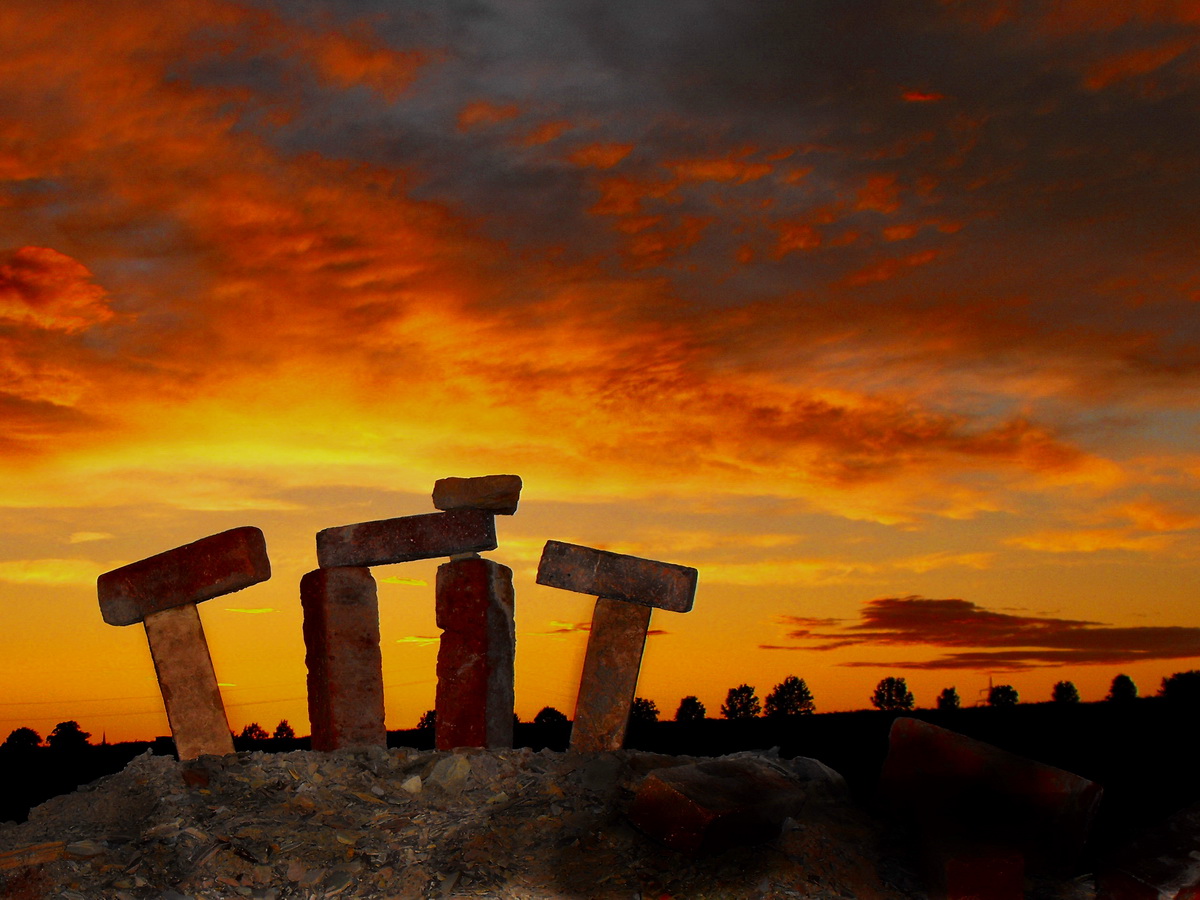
[(406, 539), (210, 567), (498, 494), (617, 576), (345, 667)]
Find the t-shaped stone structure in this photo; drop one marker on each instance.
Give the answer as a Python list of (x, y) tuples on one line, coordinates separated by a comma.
[(161, 592), (626, 588), (474, 608)]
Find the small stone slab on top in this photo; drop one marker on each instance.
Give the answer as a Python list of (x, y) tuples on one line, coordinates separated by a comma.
[(210, 567), (602, 573), (498, 494), (409, 538)]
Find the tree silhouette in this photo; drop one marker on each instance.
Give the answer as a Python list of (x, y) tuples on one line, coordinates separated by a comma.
[(643, 712), (284, 731), (1065, 692), (948, 699), (428, 720), (548, 715), (68, 736), (1122, 690), (690, 710), (253, 732), (791, 697), (1182, 688), (892, 693), (21, 739), (1003, 695), (741, 703)]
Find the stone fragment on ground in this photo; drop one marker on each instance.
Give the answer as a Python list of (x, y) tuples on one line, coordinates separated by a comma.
[(1162, 864), (377, 824)]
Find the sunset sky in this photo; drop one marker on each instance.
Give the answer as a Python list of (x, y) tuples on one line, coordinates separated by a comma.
[(884, 316)]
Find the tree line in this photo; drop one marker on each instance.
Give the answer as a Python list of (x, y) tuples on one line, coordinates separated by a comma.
[(790, 697)]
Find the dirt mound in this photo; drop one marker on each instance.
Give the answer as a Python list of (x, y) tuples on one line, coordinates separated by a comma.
[(404, 823)]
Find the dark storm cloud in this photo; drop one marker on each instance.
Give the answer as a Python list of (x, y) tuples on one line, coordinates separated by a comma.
[(995, 640)]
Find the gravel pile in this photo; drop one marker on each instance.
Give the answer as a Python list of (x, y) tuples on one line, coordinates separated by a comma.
[(410, 824)]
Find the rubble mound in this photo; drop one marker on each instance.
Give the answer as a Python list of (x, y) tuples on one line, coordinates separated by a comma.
[(403, 823)]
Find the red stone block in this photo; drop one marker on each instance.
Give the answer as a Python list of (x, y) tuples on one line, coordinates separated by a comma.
[(345, 668), (610, 674), (960, 870), (210, 567), (617, 576), (474, 609), (948, 784), (1162, 864), (406, 539), (712, 806), (498, 494)]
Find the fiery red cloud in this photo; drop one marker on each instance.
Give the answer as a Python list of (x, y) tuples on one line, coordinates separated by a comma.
[(997, 641)]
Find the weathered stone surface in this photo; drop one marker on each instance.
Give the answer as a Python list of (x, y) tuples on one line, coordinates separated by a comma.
[(610, 674), (498, 494), (474, 609), (713, 806), (188, 683), (961, 870), (408, 538), (345, 667), (948, 784), (1162, 864), (617, 576), (210, 567)]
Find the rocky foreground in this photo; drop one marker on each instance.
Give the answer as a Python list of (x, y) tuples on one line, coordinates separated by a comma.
[(409, 824)]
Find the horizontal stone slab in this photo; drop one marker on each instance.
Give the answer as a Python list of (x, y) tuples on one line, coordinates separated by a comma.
[(617, 576), (210, 567), (427, 536), (498, 494)]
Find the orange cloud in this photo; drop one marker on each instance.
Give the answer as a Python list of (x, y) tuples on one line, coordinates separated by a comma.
[(600, 156), (881, 193), (545, 133), (732, 168), (1136, 63), (46, 289), (483, 114)]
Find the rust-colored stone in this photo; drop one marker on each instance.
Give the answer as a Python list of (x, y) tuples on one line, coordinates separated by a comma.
[(963, 870), (948, 784), (474, 699), (1162, 864), (712, 806), (498, 494), (210, 567), (188, 683), (615, 575), (345, 667), (610, 674), (407, 538)]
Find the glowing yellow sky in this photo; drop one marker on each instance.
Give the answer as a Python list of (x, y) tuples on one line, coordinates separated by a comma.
[(836, 311)]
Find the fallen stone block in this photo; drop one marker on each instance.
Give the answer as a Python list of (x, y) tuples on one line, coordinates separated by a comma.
[(963, 870), (407, 538), (474, 699), (709, 807), (1162, 864), (345, 667), (498, 494), (947, 784)]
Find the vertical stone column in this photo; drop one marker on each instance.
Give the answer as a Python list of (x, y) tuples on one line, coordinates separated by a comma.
[(610, 675), (345, 667), (474, 609)]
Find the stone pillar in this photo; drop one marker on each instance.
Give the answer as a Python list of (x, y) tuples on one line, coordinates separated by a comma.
[(345, 667), (474, 609), (610, 675)]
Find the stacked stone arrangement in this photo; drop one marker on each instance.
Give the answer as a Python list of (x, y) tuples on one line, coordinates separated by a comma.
[(161, 592), (474, 607), (627, 589)]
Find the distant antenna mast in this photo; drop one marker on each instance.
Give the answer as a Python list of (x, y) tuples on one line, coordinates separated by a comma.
[(985, 694)]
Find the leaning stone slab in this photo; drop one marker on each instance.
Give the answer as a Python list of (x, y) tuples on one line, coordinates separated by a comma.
[(474, 609), (405, 539), (498, 494), (1162, 864), (345, 667), (709, 807), (610, 673), (618, 577), (949, 785)]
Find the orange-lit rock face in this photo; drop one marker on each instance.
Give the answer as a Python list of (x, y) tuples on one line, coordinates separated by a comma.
[(407, 538)]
